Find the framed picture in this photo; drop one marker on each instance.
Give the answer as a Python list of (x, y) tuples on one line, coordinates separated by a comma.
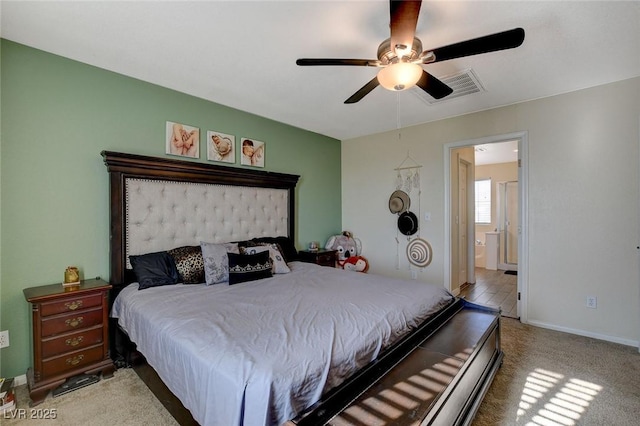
[(182, 140), (221, 147), (252, 153)]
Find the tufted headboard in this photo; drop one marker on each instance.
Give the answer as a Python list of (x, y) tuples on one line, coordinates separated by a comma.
[(159, 204)]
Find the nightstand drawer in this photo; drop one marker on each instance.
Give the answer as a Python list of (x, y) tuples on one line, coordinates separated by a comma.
[(319, 257), (72, 361), (74, 321), (326, 259), (71, 342), (71, 304)]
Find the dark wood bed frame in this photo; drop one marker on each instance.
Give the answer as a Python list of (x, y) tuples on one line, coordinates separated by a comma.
[(460, 346)]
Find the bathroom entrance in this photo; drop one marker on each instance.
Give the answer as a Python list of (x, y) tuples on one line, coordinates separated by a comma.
[(500, 250)]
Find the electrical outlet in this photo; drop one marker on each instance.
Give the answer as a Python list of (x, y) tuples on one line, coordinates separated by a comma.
[(592, 302), (4, 339), (414, 275)]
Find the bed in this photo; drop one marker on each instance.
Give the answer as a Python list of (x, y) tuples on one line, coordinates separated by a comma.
[(315, 345)]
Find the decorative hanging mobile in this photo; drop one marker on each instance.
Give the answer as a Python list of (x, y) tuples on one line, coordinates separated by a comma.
[(407, 180)]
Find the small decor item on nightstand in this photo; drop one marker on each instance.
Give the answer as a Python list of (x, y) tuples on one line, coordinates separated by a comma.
[(314, 246), (71, 276)]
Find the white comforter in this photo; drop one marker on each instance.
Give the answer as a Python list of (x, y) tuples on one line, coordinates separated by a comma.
[(258, 353)]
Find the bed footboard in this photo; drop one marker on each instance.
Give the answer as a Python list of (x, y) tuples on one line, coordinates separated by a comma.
[(440, 381)]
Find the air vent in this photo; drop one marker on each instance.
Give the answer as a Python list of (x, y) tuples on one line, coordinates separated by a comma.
[(463, 83)]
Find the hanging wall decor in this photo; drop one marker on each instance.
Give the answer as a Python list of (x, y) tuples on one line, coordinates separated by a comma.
[(252, 152), (399, 202), (182, 140), (419, 252), (220, 147), (407, 182)]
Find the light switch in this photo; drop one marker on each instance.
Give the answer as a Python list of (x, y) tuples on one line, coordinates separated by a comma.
[(427, 216)]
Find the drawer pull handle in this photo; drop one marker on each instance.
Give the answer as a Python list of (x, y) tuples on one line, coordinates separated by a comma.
[(75, 360), (72, 306), (74, 322), (75, 341)]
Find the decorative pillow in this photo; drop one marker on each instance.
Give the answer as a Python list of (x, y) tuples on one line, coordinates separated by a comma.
[(287, 247), (189, 263), (154, 269), (248, 267), (275, 256), (216, 261)]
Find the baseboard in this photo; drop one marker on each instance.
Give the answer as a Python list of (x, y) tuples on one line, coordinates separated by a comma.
[(20, 380), (607, 338)]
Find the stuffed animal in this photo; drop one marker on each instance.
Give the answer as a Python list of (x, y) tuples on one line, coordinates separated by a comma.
[(345, 245), (356, 263)]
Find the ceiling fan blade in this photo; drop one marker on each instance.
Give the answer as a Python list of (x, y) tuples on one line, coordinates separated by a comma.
[(404, 18), (489, 43), (436, 88), (364, 91), (327, 61)]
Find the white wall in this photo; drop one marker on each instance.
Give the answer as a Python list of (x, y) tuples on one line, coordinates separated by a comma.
[(583, 204)]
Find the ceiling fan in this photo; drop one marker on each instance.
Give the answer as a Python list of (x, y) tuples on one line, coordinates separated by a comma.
[(400, 57)]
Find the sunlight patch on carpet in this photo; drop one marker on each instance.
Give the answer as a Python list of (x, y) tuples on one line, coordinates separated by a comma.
[(549, 399)]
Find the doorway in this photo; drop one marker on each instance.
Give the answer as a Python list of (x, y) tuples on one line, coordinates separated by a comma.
[(515, 243)]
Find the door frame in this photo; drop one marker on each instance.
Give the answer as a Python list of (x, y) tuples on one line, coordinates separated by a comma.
[(465, 276), (523, 199)]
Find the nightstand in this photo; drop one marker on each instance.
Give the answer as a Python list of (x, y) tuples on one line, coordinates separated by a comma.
[(70, 334), (319, 257)]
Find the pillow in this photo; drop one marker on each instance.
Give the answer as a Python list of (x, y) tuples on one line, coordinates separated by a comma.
[(279, 266), (287, 247), (189, 263), (248, 267), (154, 269), (216, 261)]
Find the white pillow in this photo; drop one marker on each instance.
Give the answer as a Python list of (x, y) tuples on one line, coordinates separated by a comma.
[(216, 261), (277, 259)]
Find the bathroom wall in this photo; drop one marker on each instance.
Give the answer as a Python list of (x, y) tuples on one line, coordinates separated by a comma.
[(501, 172)]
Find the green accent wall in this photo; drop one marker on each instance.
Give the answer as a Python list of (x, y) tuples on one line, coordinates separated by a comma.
[(56, 116)]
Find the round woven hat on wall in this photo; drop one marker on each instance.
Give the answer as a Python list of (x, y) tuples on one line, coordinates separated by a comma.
[(419, 252)]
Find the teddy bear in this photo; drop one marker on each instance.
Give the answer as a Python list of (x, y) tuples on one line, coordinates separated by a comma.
[(356, 263), (346, 246)]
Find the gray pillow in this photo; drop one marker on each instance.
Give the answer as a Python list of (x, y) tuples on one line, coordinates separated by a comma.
[(279, 266), (216, 261)]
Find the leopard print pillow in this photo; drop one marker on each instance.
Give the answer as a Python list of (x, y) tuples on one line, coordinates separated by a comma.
[(189, 263)]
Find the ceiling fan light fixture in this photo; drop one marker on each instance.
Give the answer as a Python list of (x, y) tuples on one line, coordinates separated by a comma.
[(399, 76)]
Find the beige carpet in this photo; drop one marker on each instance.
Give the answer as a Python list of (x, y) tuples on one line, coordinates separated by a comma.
[(121, 400), (554, 378), (547, 378)]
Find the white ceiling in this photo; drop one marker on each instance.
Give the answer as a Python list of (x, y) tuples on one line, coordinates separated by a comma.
[(493, 153), (242, 54)]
